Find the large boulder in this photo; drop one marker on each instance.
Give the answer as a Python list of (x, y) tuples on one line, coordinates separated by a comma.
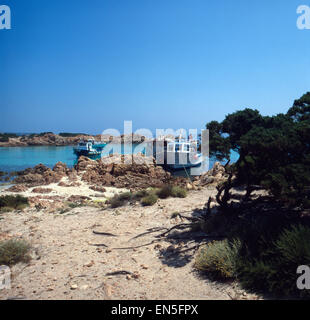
[(122, 171), (213, 176), (39, 175)]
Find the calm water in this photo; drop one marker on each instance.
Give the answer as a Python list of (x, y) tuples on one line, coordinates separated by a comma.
[(20, 158)]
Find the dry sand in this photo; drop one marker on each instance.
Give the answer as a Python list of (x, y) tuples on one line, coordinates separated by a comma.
[(66, 264)]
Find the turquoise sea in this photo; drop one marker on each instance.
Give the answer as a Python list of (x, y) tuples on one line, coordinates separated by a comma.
[(20, 158)]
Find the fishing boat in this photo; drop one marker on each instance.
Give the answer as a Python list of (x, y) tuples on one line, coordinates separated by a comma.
[(176, 154), (89, 148)]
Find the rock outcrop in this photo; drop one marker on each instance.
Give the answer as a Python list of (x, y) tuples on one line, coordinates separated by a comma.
[(122, 171), (214, 176), (18, 188), (42, 190), (42, 175)]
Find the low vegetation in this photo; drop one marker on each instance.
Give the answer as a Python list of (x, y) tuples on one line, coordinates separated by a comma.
[(219, 259), (178, 192), (71, 135), (147, 197), (9, 203), (149, 200), (272, 227), (13, 251), (171, 191), (4, 137)]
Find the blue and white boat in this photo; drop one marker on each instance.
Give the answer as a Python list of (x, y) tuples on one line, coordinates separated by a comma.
[(182, 154), (89, 148), (176, 154)]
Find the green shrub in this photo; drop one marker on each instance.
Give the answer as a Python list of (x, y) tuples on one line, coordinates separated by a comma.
[(164, 192), (178, 192), (74, 205), (21, 206), (120, 199), (149, 200), (126, 196), (14, 251), (116, 202), (70, 135), (275, 271), (4, 137), (219, 259), (6, 209), (140, 194), (13, 202)]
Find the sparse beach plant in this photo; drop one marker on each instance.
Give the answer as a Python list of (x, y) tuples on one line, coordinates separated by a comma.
[(6, 209), (149, 200), (140, 194), (275, 272), (219, 259), (116, 202), (13, 251), (178, 192), (13, 202), (126, 196), (164, 192)]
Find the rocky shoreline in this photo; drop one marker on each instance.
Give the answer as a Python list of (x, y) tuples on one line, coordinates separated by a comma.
[(97, 180), (52, 139)]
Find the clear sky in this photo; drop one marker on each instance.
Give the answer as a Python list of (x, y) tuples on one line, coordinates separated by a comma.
[(84, 66)]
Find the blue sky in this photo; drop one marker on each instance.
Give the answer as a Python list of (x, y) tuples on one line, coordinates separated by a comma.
[(84, 66)]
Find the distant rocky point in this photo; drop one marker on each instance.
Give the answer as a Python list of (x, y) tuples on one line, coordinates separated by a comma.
[(61, 139)]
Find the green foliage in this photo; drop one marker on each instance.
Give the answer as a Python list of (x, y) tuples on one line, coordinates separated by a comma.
[(140, 194), (71, 135), (13, 202), (149, 200), (14, 251), (219, 259), (178, 192), (116, 202), (275, 270), (126, 196), (4, 137), (164, 192), (74, 205), (274, 151), (120, 200), (171, 191)]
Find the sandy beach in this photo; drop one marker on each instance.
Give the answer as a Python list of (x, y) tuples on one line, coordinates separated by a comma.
[(70, 261)]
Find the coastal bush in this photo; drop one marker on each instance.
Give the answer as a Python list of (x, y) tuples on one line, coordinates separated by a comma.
[(140, 194), (13, 251), (273, 152), (116, 202), (149, 200), (6, 209), (4, 137), (13, 202), (178, 192), (74, 205), (126, 196), (219, 259), (171, 191), (164, 192), (275, 271), (119, 200), (71, 135)]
